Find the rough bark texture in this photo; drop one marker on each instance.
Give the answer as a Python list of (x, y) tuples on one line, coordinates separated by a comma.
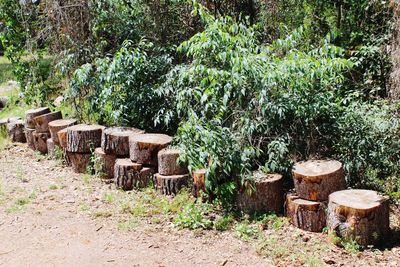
[(58, 125), (199, 182), (145, 147), (171, 185), (40, 141), (62, 138), (42, 121), (360, 215), (29, 137), (167, 162), (126, 174), (16, 131), (80, 162), (51, 148), (146, 175), (66, 159), (104, 164), (317, 179), (305, 214), (115, 140), (267, 197), (33, 113), (82, 138)]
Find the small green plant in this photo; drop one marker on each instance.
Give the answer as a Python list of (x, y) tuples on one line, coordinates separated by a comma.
[(109, 198), (53, 187), (245, 231), (224, 222), (193, 216), (127, 225)]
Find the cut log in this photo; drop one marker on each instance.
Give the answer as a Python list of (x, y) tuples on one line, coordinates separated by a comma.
[(317, 179), (146, 175), (80, 162), (115, 140), (199, 182), (62, 137), (305, 214), (42, 121), (5, 121), (33, 113), (3, 101), (83, 138), (267, 195), (126, 173), (40, 141), (360, 215), (58, 125), (16, 131), (167, 162), (51, 148), (29, 138), (145, 147), (171, 185), (104, 164)]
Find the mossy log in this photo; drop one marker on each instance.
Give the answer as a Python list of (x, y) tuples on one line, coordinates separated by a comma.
[(172, 184), (360, 215), (144, 148), (32, 114), (40, 141), (58, 125), (115, 140), (29, 137), (168, 162), (126, 174), (104, 164), (51, 148), (80, 162), (42, 121), (199, 182), (16, 131), (83, 138), (317, 179)]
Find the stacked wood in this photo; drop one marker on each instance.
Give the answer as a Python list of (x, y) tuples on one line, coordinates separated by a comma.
[(58, 125), (115, 140), (199, 182), (305, 214), (80, 162), (171, 184), (29, 137), (32, 114), (360, 215), (16, 131), (265, 196), (82, 138), (51, 148), (168, 162), (42, 121), (104, 164), (144, 148), (40, 141), (126, 174)]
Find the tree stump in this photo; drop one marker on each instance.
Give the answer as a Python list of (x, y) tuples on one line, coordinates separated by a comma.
[(115, 140), (16, 131), (167, 162), (171, 185), (199, 182), (42, 121), (3, 101), (29, 138), (360, 215), (317, 179), (62, 137), (40, 141), (83, 138), (51, 148), (104, 164), (80, 162), (58, 125), (126, 173), (267, 197), (5, 121), (33, 113), (305, 214), (145, 147), (146, 175)]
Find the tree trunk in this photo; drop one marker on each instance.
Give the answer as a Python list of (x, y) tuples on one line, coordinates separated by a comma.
[(360, 215), (199, 182), (145, 147), (83, 138), (29, 137), (305, 214), (266, 197), (171, 185), (16, 131), (51, 148), (40, 141), (33, 113), (167, 162), (317, 179), (115, 140), (80, 162), (126, 174), (42, 121), (58, 125), (104, 164)]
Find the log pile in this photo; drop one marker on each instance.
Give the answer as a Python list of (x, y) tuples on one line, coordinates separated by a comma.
[(58, 125), (129, 175), (30, 115)]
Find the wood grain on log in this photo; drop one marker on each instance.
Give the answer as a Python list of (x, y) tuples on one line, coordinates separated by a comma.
[(42, 121), (62, 138), (104, 164), (51, 148), (80, 162), (317, 179), (29, 138), (115, 140), (145, 147), (171, 185), (16, 131), (267, 195), (360, 215), (58, 125), (199, 182), (40, 141), (83, 138), (167, 162), (126, 174), (33, 113), (305, 214)]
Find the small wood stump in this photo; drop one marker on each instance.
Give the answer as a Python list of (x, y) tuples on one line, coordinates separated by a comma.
[(146, 175), (16, 131), (29, 138), (115, 140), (199, 182), (58, 125), (305, 214), (40, 141), (267, 196), (80, 162), (51, 148), (360, 215), (171, 185), (167, 162), (33, 113), (82, 138), (42, 121), (126, 174), (145, 147), (317, 179), (3, 101), (104, 164)]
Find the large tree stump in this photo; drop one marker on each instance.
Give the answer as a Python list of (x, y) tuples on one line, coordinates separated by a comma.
[(199, 182), (267, 196), (58, 125), (104, 164), (16, 131), (51, 148), (305, 214), (83, 138), (360, 215), (317, 179), (115, 140), (145, 147), (42, 121), (126, 174), (29, 138), (80, 162), (33, 113), (167, 162), (171, 185), (40, 141)]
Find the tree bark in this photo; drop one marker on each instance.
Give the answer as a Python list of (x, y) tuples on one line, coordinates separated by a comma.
[(199, 182), (145, 147), (80, 162), (126, 174), (317, 179), (167, 162), (104, 164), (33, 113), (42, 121), (51, 148), (40, 141), (115, 140), (360, 215), (171, 185), (58, 125), (29, 137), (83, 138), (16, 131)]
